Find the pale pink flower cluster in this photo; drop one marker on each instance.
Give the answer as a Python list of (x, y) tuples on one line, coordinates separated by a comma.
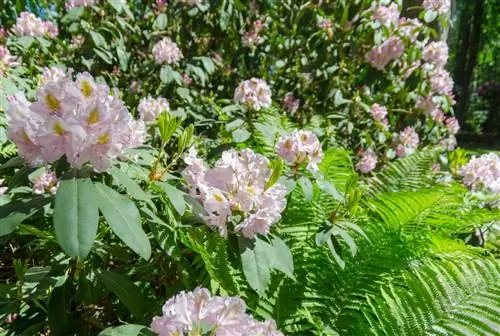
[(79, 3), (436, 53), (150, 108), (291, 103), (483, 171), (440, 6), (427, 105), (325, 23), (52, 74), (409, 28), (188, 313), (379, 113), (440, 81), (381, 55), (47, 182), (387, 16), (452, 125), (367, 162), (76, 119), (300, 147), (6, 60), (254, 93), (253, 38), (166, 51), (3, 189), (449, 143), (27, 24), (237, 183), (408, 141)]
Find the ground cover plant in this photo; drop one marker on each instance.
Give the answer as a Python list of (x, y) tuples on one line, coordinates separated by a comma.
[(239, 168)]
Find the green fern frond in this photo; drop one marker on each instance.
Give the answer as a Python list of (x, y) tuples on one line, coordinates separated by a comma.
[(8, 150)]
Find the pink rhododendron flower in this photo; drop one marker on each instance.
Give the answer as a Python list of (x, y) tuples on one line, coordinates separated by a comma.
[(166, 51), (436, 53), (324, 23), (254, 93), (77, 119), (440, 6), (3, 189), (237, 182), (452, 125), (409, 138), (387, 15), (427, 104), (482, 171), (409, 28), (291, 103), (379, 113), (6, 60), (190, 312), (381, 55), (300, 147), (52, 74), (449, 143), (27, 24), (436, 168), (79, 3), (440, 81), (150, 108), (251, 39), (368, 162), (47, 182)]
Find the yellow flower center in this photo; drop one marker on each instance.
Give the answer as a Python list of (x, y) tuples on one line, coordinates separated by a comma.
[(103, 138), (52, 102), (58, 128), (86, 88), (218, 198), (93, 116)]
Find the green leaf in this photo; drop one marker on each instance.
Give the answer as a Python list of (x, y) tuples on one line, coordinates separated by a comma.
[(183, 93), (281, 256), (76, 216), (175, 196), (14, 213), (25, 41), (98, 39), (307, 188), (339, 99), (72, 15), (118, 5), (167, 75), (430, 15), (160, 22), (127, 330), (234, 124), (132, 187), (276, 171), (105, 55), (329, 188), (59, 309), (240, 135), (126, 291), (254, 259), (348, 240), (123, 57), (35, 274), (124, 218), (208, 64)]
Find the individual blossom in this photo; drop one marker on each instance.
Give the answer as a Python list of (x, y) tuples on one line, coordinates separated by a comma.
[(52, 74), (77, 119), (387, 16), (409, 138), (440, 6), (482, 171), (436, 53), (427, 104), (300, 147), (150, 108), (6, 60), (3, 189), (449, 143), (237, 184), (166, 51), (47, 182), (186, 79), (440, 81), (254, 93), (381, 55), (291, 103), (325, 23), (367, 162), (409, 28), (27, 24), (79, 3), (452, 125), (191, 313), (251, 39), (258, 26), (379, 113), (161, 4)]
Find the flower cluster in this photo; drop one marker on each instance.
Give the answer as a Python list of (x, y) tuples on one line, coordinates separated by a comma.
[(254, 93), (483, 171), (407, 142), (27, 24), (166, 51), (253, 38), (325, 23), (440, 81), (381, 55), (52, 74), (236, 185), (47, 182), (6, 60), (291, 103), (452, 125), (440, 6), (188, 313), (300, 147), (379, 113), (3, 189), (150, 108), (76, 119), (409, 28), (387, 15), (367, 162), (79, 3), (436, 53)]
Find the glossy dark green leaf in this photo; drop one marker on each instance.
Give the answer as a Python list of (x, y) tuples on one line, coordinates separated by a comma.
[(281, 256), (133, 189), (175, 196), (255, 263), (307, 188)]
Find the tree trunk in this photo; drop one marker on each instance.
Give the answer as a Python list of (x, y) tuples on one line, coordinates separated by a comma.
[(461, 62), (472, 59)]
